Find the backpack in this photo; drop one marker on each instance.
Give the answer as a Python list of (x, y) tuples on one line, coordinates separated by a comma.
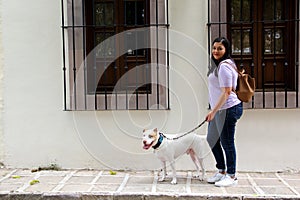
[(245, 85)]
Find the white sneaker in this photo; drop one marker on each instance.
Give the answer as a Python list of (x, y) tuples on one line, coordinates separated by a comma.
[(217, 177), (226, 182)]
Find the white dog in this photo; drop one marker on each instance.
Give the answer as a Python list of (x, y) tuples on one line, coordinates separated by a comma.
[(169, 147)]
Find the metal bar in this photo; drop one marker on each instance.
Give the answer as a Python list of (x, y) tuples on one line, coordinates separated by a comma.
[(263, 82), (147, 54), (64, 54), (286, 67), (115, 64), (241, 34), (297, 54), (274, 53), (146, 13), (105, 87), (263, 63), (136, 58), (287, 52), (274, 79), (168, 56), (241, 10), (220, 18), (135, 15), (297, 83), (252, 73), (115, 74), (118, 25), (247, 22), (157, 56), (106, 35), (116, 89), (74, 56), (126, 80), (136, 72), (209, 31), (209, 26), (148, 85), (84, 54), (252, 51), (126, 62), (94, 56), (95, 87)]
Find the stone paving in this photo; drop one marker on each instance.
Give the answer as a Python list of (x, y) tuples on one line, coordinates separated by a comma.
[(97, 184)]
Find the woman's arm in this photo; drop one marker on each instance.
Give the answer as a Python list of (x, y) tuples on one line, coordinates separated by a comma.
[(222, 99)]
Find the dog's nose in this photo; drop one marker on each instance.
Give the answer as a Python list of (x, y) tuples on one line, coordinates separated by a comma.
[(145, 142)]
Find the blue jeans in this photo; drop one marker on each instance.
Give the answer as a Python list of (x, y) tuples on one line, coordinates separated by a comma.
[(221, 131)]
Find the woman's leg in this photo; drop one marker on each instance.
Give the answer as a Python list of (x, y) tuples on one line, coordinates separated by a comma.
[(213, 138), (227, 137)]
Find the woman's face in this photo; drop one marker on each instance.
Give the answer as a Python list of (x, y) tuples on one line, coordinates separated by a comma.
[(218, 50)]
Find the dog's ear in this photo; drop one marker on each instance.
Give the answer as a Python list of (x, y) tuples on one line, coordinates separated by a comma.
[(144, 130), (155, 130)]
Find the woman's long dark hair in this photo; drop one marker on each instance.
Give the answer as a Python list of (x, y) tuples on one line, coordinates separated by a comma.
[(215, 63)]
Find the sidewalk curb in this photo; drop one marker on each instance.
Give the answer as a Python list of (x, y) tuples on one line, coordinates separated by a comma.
[(115, 196), (143, 185)]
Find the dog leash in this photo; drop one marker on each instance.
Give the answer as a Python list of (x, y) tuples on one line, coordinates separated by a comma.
[(186, 132)]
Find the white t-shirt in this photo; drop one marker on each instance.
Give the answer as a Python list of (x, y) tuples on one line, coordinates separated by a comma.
[(227, 77)]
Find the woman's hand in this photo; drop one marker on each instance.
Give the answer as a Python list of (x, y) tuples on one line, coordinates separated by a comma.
[(222, 99), (210, 116)]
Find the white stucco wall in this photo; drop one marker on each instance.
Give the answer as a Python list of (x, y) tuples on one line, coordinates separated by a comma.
[(269, 140), (37, 132), (1, 92)]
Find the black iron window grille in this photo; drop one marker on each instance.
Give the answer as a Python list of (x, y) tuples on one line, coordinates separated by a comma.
[(265, 42), (115, 54)]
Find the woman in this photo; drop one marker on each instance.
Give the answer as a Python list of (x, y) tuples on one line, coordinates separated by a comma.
[(226, 109)]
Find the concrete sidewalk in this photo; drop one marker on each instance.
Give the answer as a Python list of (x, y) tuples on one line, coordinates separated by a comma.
[(96, 184)]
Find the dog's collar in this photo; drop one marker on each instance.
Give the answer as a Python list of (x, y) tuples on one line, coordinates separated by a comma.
[(160, 139)]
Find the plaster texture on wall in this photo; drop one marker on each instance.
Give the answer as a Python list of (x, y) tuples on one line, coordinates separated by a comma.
[(37, 132), (269, 140), (1, 89)]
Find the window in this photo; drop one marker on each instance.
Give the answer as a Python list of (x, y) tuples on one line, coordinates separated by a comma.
[(265, 42), (111, 18), (268, 41), (117, 54)]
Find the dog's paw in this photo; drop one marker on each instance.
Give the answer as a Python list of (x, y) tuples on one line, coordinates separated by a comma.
[(161, 179), (174, 182), (201, 179)]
